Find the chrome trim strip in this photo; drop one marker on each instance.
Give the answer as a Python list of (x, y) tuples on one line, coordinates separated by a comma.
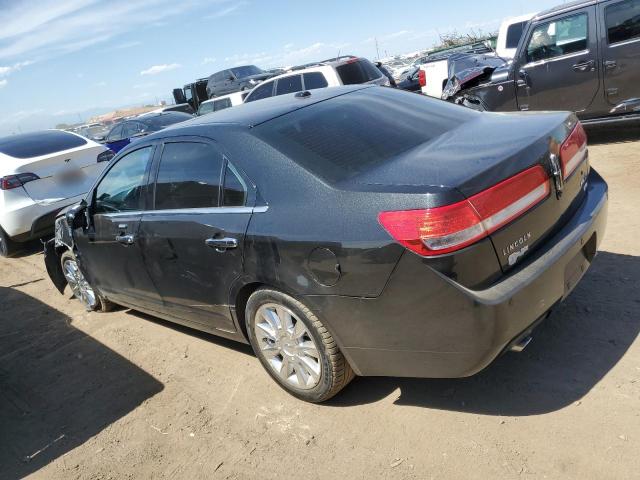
[(555, 59), (626, 42), (190, 211)]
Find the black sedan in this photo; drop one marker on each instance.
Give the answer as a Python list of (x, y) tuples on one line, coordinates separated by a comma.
[(337, 241)]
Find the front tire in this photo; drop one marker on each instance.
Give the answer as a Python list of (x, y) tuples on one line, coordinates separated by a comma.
[(79, 285), (295, 347)]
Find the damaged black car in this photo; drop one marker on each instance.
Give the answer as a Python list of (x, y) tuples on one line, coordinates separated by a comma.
[(581, 57)]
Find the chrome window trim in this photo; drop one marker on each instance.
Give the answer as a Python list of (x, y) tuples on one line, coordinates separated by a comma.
[(189, 211), (555, 59), (623, 43)]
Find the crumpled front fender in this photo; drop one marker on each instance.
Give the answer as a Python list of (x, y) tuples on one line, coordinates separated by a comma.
[(54, 265)]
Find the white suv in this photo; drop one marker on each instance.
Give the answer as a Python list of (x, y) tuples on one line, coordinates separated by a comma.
[(40, 174), (329, 73)]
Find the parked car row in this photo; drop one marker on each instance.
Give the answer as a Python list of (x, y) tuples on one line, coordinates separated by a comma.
[(337, 227)]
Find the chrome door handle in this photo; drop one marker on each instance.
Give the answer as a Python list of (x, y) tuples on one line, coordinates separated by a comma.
[(126, 239), (222, 244), (588, 66), (610, 64)]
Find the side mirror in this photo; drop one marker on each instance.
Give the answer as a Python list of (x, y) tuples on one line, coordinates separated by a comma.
[(100, 139), (77, 215)]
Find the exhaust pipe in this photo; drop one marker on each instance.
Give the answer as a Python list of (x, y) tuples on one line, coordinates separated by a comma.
[(519, 345)]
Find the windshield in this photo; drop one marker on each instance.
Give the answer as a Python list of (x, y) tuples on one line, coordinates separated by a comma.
[(247, 71)]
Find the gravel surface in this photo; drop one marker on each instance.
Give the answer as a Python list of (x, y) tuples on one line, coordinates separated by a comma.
[(121, 395)]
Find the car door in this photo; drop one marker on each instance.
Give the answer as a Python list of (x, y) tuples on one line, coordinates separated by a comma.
[(193, 239), (109, 248), (620, 47), (558, 69)]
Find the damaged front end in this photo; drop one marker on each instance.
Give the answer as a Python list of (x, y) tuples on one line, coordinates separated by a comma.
[(62, 241), (468, 71)]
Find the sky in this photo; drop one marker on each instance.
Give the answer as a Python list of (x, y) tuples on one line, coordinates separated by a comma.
[(65, 60)]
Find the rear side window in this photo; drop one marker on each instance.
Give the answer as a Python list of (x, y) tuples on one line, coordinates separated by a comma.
[(28, 145), (314, 80), (188, 177), (235, 191), (221, 104), (289, 84), (264, 90), (351, 134), (514, 32), (120, 189), (359, 71), (623, 21), (562, 37)]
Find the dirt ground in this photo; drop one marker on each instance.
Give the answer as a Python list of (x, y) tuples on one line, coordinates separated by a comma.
[(122, 395)]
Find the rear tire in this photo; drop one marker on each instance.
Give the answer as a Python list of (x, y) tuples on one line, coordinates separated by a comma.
[(79, 285), (8, 247), (295, 347)]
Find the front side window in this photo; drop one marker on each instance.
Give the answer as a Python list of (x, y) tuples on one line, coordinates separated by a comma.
[(562, 37), (314, 80), (221, 104), (115, 134), (623, 21), (188, 177), (120, 189), (290, 84), (130, 129), (264, 90)]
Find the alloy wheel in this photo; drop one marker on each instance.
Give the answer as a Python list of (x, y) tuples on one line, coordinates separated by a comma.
[(78, 284), (287, 345)]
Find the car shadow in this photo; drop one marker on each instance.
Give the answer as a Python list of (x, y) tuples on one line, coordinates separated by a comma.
[(582, 340), (58, 386), (609, 134), (192, 332)]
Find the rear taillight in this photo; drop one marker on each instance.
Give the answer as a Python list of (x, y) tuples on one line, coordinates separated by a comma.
[(573, 151), (14, 181), (106, 156), (422, 78), (440, 230)]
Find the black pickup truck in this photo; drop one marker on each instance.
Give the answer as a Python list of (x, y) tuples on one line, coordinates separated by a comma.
[(581, 56)]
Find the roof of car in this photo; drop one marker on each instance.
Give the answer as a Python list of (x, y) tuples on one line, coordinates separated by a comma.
[(254, 113), (565, 7)]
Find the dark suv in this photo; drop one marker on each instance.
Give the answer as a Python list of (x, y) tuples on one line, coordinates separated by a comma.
[(236, 79), (583, 57)]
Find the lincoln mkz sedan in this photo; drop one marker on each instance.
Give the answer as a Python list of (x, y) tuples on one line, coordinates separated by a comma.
[(346, 231)]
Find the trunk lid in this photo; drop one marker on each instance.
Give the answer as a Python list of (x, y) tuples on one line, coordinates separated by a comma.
[(64, 174), (485, 151)]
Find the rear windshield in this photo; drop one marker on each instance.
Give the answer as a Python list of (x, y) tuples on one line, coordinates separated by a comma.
[(514, 32), (36, 144), (343, 137), (241, 72), (167, 119), (360, 71)]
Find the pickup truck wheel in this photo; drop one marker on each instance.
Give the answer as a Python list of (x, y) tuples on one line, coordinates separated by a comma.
[(80, 287), (295, 347), (8, 248)]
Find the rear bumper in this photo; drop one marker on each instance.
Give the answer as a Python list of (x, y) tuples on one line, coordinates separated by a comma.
[(427, 325), (28, 220)]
